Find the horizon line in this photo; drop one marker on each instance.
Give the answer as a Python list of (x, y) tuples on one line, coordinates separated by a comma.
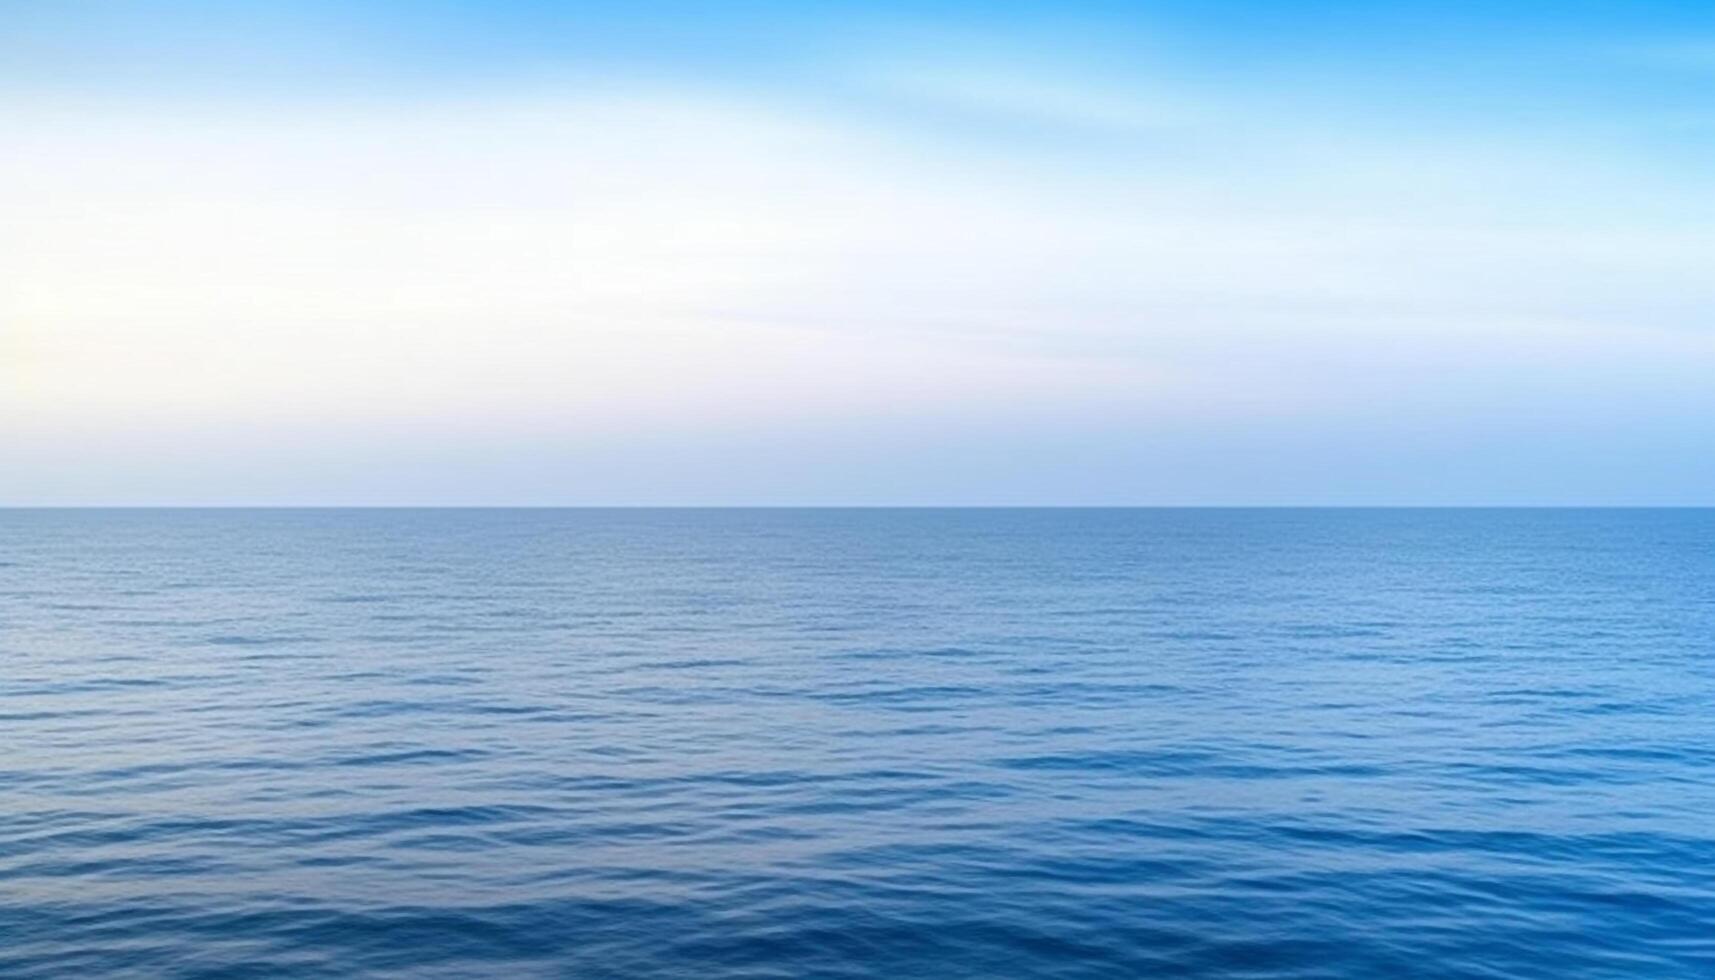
[(807, 507)]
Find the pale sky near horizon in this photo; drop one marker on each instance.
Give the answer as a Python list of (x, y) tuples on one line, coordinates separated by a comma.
[(857, 253)]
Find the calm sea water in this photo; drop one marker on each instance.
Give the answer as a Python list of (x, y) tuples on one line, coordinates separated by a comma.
[(857, 744)]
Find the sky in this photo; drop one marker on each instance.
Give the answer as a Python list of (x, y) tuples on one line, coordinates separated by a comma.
[(882, 253)]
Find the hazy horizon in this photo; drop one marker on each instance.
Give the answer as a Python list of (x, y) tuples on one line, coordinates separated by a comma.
[(863, 507)]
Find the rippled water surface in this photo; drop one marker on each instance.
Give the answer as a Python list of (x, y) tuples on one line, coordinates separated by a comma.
[(857, 743)]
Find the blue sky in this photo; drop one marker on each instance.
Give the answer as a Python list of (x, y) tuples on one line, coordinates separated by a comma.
[(770, 253)]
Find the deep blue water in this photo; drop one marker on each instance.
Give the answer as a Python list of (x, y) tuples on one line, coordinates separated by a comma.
[(897, 744)]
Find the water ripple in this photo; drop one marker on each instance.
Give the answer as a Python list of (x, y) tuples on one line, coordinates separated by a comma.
[(857, 744)]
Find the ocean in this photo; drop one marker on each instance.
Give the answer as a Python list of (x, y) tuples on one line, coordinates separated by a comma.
[(857, 743)]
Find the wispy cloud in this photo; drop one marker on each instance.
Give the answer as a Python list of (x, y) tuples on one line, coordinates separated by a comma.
[(999, 92)]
